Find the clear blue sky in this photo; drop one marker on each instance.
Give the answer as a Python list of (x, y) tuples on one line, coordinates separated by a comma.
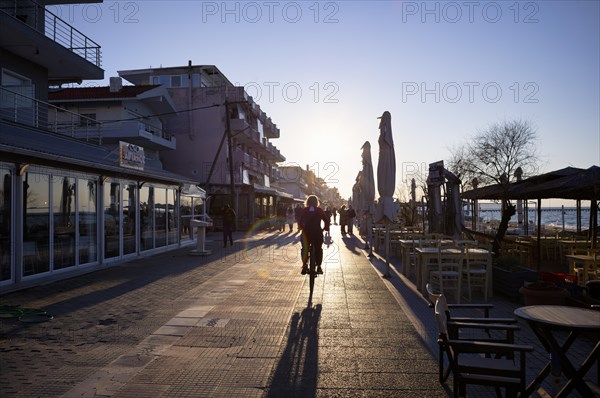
[(324, 71)]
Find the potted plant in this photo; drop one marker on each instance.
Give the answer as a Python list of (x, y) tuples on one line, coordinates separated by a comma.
[(543, 293), (508, 275)]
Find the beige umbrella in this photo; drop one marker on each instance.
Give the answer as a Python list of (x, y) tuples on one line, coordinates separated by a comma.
[(356, 192), (368, 193), (386, 171), (386, 181)]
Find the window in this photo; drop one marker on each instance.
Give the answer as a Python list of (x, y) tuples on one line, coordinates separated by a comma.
[(15, 81), (196, 80), (176, 81), (16, 102)]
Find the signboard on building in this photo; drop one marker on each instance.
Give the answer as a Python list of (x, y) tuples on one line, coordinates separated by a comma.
[(131, 156)]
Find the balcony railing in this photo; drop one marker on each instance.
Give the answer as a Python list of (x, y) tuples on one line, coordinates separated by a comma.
[(42, 20), (24, 110)]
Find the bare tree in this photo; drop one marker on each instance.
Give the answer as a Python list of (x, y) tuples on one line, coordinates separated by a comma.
[(492, 156)]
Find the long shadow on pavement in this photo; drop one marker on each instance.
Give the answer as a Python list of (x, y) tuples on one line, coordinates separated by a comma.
[(297, 370)]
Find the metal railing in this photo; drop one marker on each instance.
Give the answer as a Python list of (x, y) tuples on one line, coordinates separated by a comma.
[(44, 21), (22, 109)]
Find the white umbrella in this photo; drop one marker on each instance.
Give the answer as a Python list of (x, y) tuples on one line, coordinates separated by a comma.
[(356, 192), (368, 193), (386, 180)]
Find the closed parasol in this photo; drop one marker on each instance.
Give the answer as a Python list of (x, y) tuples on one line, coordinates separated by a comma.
[(367, 192), (386, 181)]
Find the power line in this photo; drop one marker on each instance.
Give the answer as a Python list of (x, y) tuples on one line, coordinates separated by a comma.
[(160, 114)]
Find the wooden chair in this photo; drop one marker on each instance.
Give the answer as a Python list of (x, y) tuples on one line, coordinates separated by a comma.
[(588, 270), (447, 276), (503, 328), (475, 271), (468, 367), (411, 265)]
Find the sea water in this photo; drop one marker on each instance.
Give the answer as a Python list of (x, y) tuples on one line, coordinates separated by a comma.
[(553, 217)]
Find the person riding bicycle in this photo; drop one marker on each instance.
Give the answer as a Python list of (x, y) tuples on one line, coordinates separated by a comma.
[(312, 233)]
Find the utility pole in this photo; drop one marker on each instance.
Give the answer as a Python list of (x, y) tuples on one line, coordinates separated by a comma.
[(230, 146)]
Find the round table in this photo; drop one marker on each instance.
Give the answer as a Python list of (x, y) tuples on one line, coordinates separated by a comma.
[(545, 320)]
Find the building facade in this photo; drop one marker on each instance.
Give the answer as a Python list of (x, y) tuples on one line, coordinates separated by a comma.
[(72, 200), (224, 141)]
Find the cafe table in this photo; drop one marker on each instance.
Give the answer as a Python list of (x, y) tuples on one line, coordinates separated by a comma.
[(425, 254), (547, 321), (407, 247)]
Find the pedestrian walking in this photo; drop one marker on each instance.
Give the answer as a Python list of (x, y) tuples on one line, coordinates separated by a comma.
[(343, 219), (290, 217), (281, 217), (350, 214), (328, 214), (228, 224), (334, 213), (297, 214)]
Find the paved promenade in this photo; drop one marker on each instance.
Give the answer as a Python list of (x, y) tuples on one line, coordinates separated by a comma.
[(237, 323)]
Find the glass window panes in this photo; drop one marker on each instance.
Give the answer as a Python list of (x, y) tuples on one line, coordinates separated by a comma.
[(129, 217), (87, 191), (172, 220), (146, 217), (36, 224), (63, 212), (160, 216), (112, 226), (6, 257)]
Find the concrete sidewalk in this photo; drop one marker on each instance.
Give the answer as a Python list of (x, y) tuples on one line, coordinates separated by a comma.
[(236, 323)]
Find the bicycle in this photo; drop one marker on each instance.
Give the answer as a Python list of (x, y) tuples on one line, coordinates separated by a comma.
[(312, 269)]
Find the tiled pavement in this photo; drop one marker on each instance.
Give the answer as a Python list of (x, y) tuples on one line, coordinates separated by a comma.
[(236, 323)]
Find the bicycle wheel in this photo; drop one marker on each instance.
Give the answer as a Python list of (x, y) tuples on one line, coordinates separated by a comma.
[(312, 270)]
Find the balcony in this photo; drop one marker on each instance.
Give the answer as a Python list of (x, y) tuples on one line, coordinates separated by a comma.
[(24, 110), (270, 129), (138, 133), (244, 133), (252, 164), (30, 31)]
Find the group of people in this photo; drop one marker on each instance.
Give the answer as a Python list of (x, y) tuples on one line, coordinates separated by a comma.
[(347, 216), (287, 216)]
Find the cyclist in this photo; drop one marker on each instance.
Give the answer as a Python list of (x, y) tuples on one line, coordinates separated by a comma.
[(312, 233)]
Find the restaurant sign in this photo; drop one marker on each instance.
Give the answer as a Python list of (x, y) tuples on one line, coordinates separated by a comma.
[(131, 156)]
